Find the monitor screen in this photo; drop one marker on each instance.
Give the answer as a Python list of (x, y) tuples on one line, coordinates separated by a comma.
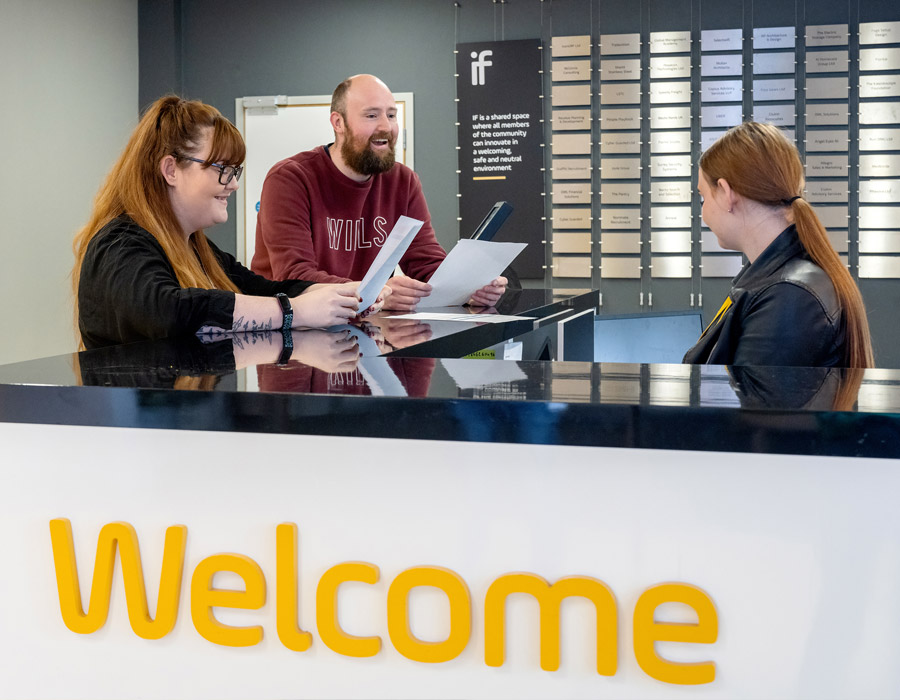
[(646, 338)]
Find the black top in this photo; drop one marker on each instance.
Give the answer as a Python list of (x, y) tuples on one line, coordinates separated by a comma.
[(128, 290), (782, 310)]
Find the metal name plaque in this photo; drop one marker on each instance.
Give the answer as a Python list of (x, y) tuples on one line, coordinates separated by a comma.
[(620, 193), (827, 88), (770, 63), (670, 166), (879, 217), (620, 93), (620, 268), (879, 241), (708, 138), (828, 140), (721, 64), (620, 218), (879, 165), (571, 218), (768, 90), (620, 243), (720, 265), (670, 67), (571, 193), (879, 191), (721, 115), (721, 40), (620, 168), (879, 267), (827, 191), (619, 44), (827, 166), (670, 117), (674, 267), (667, 93), (879, 86), (827, 114), (670, 42), (671, 242), (879, 139), (670, 142), (572, 266), (779, 115), (571, 168), (827, 61), (629, 118), (879, 32), (879, 112), (572, 242), (833, 216), (571, 70), (774, 38), (571, 119), (620, 69), (670, 217), (670, 192), (620, 143), (571, 144), (570, 95), (563, 46), (827, 35), (879, 59), (721, 90)]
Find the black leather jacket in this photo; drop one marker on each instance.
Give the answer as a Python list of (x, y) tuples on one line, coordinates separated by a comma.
[(782, 310)]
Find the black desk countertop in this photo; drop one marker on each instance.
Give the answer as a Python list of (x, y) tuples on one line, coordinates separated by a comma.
[(195, 386)]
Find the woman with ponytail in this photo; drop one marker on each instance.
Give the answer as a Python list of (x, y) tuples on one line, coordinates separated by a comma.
[(143, 267), (794, 303)]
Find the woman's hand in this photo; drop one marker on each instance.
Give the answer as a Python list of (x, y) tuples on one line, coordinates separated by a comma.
[(323, 305), (379, 302)]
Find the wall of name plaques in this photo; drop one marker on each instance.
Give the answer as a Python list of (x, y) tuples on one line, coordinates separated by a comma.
[(632, 112)]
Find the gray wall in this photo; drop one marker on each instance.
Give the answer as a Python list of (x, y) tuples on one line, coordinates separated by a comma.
[(217, 51), (69, 86)]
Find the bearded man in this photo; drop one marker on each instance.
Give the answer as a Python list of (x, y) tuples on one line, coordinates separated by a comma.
[(324, 214)]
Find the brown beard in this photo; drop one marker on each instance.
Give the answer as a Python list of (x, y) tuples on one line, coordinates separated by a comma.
[(366, 161)]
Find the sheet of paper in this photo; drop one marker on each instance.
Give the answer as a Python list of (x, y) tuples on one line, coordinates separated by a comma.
[(467, 268), (381, 268), (479, 318), (380, 377)]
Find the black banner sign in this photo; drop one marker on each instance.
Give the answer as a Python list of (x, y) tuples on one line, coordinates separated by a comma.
[(500, 133)]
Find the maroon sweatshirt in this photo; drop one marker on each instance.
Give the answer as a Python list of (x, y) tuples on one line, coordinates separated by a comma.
[(316, 224)]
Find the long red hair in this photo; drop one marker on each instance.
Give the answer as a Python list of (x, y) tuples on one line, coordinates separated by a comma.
[(759, 163), (135, 186)]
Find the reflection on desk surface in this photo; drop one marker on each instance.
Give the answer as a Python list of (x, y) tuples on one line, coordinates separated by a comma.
[(330, 363)]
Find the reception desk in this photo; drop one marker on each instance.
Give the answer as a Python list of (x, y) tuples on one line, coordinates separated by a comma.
[(422, 527)]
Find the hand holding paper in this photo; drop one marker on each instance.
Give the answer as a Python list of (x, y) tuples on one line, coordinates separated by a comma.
[(470, 266), (393, 249)]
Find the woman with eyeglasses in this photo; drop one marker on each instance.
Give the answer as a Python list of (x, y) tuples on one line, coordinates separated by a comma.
[(143, 267)]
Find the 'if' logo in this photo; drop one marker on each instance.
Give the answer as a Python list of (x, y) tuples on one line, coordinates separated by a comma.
[(479, 64)]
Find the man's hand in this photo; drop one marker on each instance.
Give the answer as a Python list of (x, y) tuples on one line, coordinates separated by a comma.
[(489, 294), (405, 293)]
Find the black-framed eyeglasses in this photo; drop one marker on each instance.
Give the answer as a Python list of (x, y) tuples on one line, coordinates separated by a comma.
[(226, 172)]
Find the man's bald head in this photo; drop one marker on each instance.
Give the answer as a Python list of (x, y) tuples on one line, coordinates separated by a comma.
[(339, 96)]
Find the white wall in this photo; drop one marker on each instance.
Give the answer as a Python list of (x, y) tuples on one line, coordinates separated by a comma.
[(68, 100)]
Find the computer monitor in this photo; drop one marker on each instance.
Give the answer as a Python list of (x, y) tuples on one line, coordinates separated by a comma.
[(647, 337)]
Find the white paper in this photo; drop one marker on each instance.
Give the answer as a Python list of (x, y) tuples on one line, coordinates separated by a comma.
[(480, 318), (467, 268), (381, 378), (381, 268)]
